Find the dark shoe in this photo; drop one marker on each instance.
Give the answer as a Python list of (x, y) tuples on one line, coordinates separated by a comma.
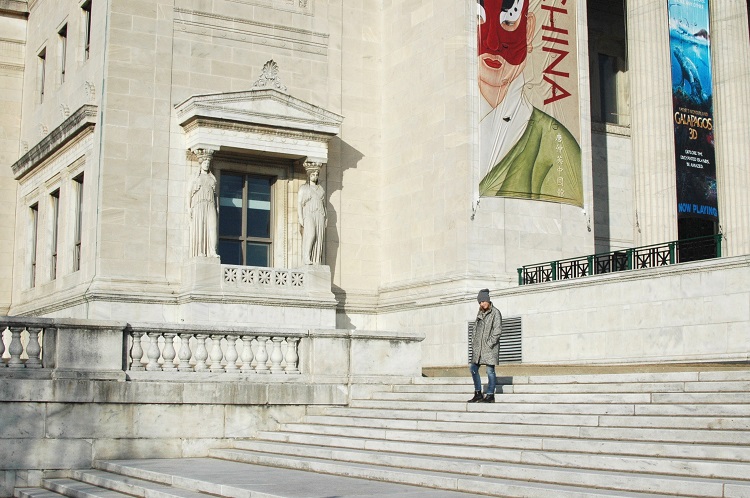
[(490, 398), (477, 397)]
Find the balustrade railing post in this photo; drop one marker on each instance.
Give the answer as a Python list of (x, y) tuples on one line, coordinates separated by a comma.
[(291, 356), (34, 349), (261, 356), (136, 352), (231, 353), (216, 354), (169, 353), (153, 351), (2, 346), (554, 270), (520, 276), (201, 353), (629, 260), (15, 349), (185, 353), (672, 246), (247, 354), (276, 356), (718, 238)]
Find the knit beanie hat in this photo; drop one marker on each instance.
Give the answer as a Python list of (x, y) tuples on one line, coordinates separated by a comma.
[(484, 295)]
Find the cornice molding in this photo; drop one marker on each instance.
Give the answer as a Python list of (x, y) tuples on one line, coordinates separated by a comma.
[(80, 121)]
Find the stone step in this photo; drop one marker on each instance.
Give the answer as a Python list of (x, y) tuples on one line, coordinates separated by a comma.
[(369, 465), (133, 486), (352, 437), (77, 489), (697, 466), (430, 425), (35, 493), (462, 416), (723, 397), (344, 425), (499, 407), (222, 477), (636, 377), (237, 479)]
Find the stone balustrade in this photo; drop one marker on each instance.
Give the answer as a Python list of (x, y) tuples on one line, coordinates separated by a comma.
[(20, 344), (163, 348), (63, 348)]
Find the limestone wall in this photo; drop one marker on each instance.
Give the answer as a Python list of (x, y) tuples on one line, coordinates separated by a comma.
[(682, 313)]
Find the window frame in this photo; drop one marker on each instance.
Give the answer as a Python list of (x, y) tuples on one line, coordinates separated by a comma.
[(41, 72), (34, 239), (78, 222), (86, 22), (243, 238), (62, 34), (55, 233)]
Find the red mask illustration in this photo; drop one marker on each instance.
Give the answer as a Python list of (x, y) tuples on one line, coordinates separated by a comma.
[(494, 35)]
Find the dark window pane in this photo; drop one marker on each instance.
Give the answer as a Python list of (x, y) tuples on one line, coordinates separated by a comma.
[(230, 205), (230, 252), (258, 207), (257, 254)]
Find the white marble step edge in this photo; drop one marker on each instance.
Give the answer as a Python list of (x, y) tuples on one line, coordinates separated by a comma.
[(499, 407), (662, 458), (134, 486), (343, 425), (597, 479), (494, 486), (732, 422)]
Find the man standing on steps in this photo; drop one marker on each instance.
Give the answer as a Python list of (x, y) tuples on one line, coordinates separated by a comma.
[(485, 347)]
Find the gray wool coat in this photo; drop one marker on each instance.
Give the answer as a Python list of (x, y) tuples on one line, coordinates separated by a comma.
[(485, 343)]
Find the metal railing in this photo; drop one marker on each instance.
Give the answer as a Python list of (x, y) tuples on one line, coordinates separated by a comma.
[(665, 254)]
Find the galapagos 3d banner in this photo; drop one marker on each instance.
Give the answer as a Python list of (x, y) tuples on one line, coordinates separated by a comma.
[(692, 102), (529, 100)]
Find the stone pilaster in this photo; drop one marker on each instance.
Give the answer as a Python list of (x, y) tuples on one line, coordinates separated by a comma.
[(731, 73), (655, 192)]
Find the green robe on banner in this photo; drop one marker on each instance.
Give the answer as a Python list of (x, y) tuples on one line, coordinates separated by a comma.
[(545, 164)]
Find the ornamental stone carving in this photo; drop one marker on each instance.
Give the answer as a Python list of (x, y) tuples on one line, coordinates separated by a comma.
[(203, 208), (311, 210), (269, 77)]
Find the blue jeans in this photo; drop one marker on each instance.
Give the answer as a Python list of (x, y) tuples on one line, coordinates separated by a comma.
[(474, 368)]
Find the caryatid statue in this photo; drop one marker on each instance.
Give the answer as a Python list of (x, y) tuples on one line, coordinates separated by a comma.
[(311, 209), (203, 208)]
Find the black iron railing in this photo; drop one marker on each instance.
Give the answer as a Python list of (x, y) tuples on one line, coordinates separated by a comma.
[(668, 253)]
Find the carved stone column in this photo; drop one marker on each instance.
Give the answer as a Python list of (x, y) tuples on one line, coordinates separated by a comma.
[(654, 176), (731, 72)]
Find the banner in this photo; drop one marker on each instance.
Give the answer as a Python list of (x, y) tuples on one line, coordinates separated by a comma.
[(528, 85), (692, 103)]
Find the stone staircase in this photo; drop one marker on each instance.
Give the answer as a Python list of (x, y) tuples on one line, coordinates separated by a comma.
[(630, 434)]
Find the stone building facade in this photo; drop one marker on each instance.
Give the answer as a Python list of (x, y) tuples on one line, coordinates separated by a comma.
[(108, 104)]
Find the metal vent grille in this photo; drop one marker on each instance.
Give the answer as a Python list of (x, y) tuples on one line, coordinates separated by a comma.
[(510, 341)]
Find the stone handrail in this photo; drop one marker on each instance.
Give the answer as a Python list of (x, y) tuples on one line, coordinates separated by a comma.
[(89, 349)]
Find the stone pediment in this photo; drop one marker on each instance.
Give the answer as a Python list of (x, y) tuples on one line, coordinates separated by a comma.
[(264, 107), (265, 120)]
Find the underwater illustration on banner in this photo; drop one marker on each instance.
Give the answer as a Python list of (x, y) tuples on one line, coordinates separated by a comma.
[(529, 100), (692, 102)]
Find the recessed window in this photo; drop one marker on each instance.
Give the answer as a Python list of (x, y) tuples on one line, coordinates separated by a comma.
[(63, 50), (55, 212), (78, 226), (245, 219), (41, 72), (86, 11), (34, 226)]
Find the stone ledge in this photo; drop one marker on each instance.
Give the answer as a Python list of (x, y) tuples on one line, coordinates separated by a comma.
[(82, 119)]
